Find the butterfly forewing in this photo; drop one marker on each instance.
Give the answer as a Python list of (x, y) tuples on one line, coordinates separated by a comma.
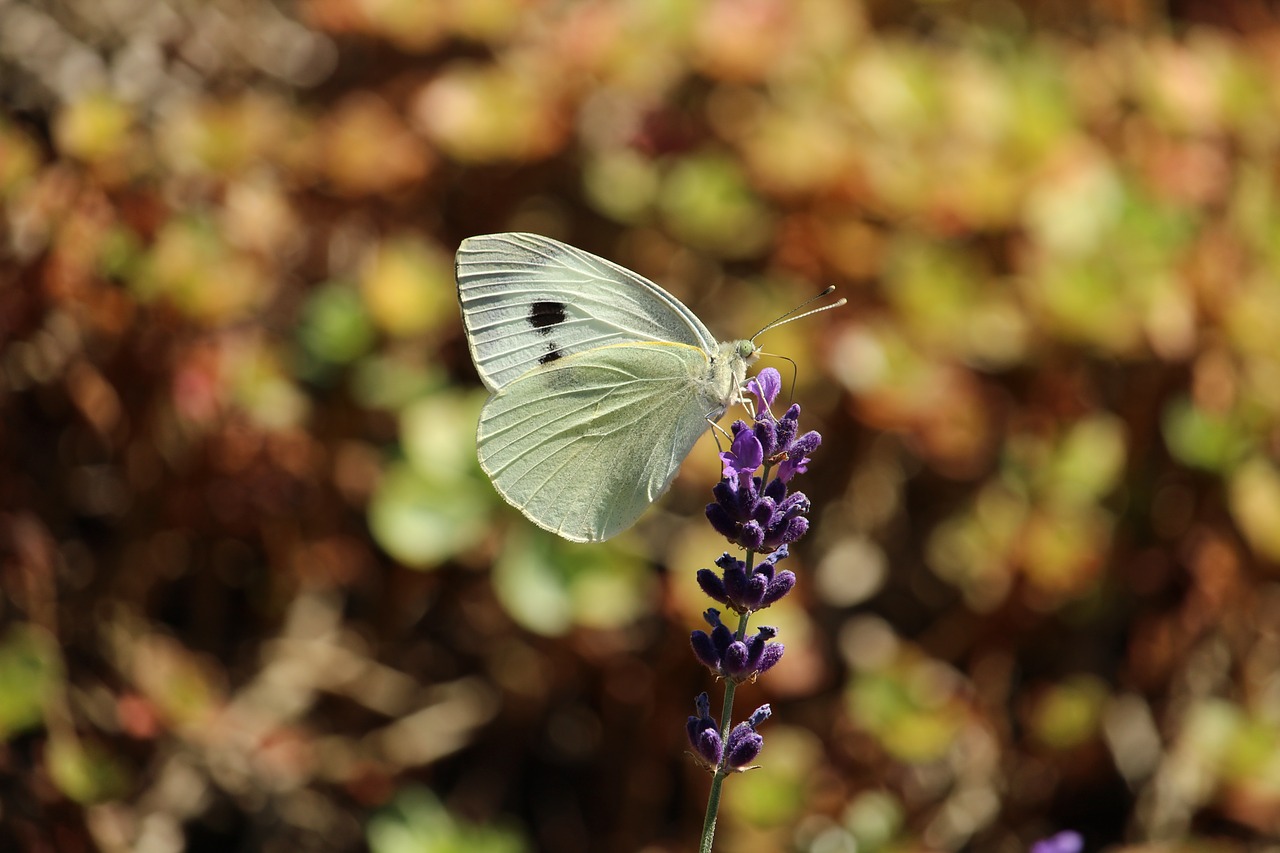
[(529, 301), (583, 445)]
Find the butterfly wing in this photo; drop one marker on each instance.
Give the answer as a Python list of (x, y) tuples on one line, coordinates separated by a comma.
[(584, 444), (529, 301)]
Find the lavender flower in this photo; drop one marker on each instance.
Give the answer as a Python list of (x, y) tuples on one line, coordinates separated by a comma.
[(757, 512), (765, 387), (753, 509), (744, 743), (746, 592), (704, 737), (732, 658), (1066, 841)]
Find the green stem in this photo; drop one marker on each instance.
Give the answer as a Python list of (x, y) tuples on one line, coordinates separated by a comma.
[(726, 719)]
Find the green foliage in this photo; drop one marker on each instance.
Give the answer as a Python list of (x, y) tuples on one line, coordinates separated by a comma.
[(434, 504), (416, 822), (29, 670), (550, 586)]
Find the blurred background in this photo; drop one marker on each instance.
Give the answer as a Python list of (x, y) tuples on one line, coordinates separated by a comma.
[(257, 595)]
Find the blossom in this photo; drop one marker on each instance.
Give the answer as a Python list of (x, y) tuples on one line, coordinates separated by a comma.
[(725, 655), (758, 512), (1067, 841), (753, 508), (744, 456), (744, 743), (765, 387), (737, 751), (747, 591), (703, 734)]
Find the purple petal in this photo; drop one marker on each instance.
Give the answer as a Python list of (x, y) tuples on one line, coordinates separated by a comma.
[(790, 467), (747, 452), (765, 386)]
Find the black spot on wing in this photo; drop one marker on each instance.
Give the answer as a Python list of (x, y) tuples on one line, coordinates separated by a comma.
[(552, 353), (544, 315)]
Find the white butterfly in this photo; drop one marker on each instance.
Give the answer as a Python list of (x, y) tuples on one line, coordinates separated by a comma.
[(601, 381)]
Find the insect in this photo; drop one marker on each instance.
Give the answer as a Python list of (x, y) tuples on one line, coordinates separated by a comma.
[(600, 381)]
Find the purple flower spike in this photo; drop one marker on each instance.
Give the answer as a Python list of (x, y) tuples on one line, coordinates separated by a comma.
[(753, 508), (1067, 841), (765, 386)]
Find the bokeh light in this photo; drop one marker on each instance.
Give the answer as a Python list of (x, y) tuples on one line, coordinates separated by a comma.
[(258, 595)]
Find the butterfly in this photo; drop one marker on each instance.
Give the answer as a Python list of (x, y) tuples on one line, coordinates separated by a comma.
[(600, 381)]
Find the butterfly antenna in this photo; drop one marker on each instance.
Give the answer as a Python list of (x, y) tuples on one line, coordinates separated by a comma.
[(792, 315)]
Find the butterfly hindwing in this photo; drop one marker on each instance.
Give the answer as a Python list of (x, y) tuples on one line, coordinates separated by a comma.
[(584, 444), (528, 301)]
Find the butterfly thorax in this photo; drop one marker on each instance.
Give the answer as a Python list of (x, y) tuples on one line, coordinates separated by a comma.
[(726, 374)]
